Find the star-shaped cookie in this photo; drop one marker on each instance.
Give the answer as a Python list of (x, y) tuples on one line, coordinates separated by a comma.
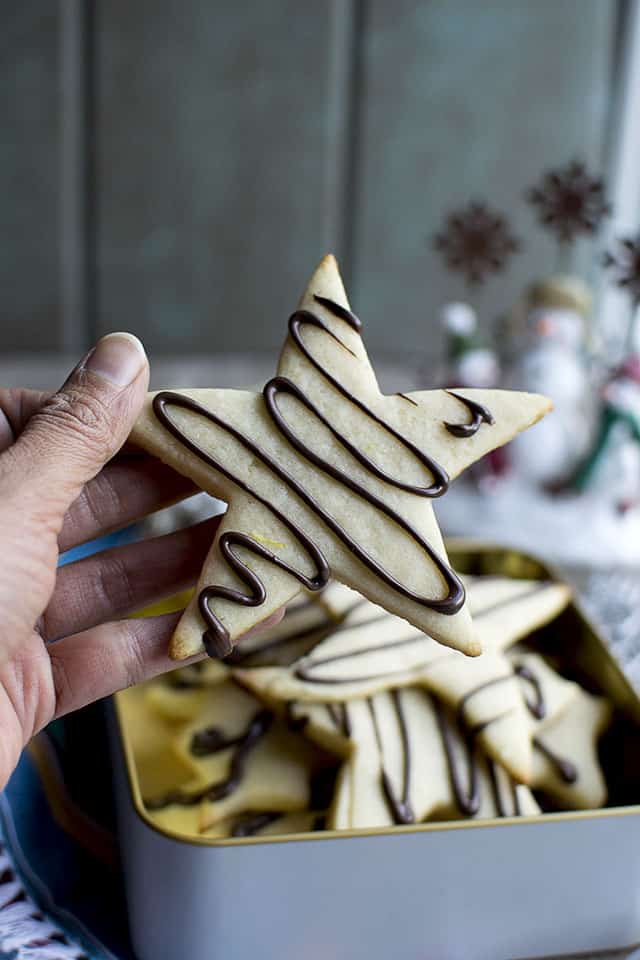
[(408, 761), (566, 765), (371, 651), (233, 755), (325, 476)]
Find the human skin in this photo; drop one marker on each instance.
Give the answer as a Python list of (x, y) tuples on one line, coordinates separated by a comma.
[(67, 477)]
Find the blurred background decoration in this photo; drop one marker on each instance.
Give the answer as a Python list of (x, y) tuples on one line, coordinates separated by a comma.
[(177, 169)]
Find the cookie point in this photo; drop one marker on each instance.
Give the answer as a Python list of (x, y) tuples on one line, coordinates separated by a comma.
[(326, 282), (545, 405), (178, 651)]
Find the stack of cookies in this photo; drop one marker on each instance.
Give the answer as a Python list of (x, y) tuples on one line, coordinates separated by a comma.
[(344, 716), (394, 691)]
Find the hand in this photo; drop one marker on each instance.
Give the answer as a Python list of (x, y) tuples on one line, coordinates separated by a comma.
[(61, 644)]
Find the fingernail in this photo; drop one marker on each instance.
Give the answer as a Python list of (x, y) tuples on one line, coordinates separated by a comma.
[(6, 433), (118, 357)]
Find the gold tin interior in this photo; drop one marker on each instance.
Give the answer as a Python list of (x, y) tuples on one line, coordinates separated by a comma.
[(581, 654)]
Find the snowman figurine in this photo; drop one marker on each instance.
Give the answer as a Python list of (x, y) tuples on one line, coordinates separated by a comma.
[(612, 469), (471, 363), (552, 362)]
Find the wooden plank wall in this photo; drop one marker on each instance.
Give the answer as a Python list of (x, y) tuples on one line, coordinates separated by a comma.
[(31, 315), (212, 151), (465, 100), (220, 164)]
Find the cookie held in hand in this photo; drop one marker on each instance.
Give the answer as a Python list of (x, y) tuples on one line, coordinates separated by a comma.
[(325, 476)]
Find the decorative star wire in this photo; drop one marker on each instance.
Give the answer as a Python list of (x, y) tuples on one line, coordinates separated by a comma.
[(324, 475), (476, 241), (569, 201), (624, 263)]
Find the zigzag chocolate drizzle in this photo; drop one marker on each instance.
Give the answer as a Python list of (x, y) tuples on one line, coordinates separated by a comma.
[(216, 637)]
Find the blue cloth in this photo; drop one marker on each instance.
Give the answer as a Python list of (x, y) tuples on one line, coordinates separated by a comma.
[(128, 535)]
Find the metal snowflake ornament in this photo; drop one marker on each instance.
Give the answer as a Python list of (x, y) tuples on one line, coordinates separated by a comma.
[(624, 263), (569, 201), (476, 241)]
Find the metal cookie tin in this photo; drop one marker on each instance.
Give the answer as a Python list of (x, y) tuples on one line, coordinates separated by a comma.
[(465, 890)]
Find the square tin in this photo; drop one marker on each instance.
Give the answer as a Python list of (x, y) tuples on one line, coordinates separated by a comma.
[(463, 890)]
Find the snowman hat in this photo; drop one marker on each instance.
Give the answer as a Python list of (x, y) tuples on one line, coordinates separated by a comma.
[(560, 292)]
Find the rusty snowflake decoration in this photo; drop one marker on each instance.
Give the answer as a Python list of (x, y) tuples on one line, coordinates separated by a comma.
[(569, 201), (476, 241), (624, 263)]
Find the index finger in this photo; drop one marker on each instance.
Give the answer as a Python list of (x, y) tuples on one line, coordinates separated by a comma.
[(17, 406)]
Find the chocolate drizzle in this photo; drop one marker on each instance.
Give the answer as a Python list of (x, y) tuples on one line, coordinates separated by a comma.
[(338, 311), (219, 791), (250, 824), (306, 675), (297, 724), (216, 637), (212, 740), (468, 800), (479, 415), (440, 478), (400, 807), (462, 704), (255, 655), (409, 399), (454, 599), (340, 717), (498, 797), (537, 708), (565, 769), (507, 601), (307, 671)]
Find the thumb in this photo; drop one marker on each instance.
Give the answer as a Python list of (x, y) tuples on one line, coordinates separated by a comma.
[(78, 429)]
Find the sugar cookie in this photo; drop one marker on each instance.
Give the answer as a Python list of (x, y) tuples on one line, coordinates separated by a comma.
[(325, 476)]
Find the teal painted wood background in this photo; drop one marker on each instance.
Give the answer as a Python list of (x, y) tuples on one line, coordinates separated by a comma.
[(176, 167)]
